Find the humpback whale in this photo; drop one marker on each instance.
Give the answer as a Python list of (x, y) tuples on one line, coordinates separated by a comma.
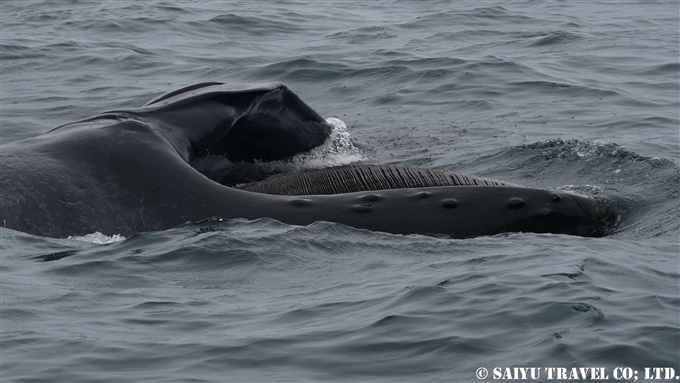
[(128, 171)]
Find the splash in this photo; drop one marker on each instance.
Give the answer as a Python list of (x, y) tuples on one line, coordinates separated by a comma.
[(337, 150), (97, 238)]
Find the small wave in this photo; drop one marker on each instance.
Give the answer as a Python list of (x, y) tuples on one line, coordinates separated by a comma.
[(363, 35), (559, 148), (98, 238), (542, 84), (475, 16), (556, 37), (258, 26)]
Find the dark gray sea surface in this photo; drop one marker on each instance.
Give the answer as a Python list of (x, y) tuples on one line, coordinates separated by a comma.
[(579, 96)]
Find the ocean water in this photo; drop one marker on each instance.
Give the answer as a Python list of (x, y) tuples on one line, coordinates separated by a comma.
[(580, 96)]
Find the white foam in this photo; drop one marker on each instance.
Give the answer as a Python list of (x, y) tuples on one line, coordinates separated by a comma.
[(338, 149), (97, 238), (582, 190)]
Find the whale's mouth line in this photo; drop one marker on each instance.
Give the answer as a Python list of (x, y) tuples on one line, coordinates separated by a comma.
[(605, 219), (576, 198)]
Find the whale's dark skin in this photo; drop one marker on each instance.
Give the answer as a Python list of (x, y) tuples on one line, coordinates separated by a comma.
[(124, 172)]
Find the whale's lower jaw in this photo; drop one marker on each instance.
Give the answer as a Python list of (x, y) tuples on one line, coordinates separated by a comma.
[(175, 194), (406, 200), (452, 211)]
